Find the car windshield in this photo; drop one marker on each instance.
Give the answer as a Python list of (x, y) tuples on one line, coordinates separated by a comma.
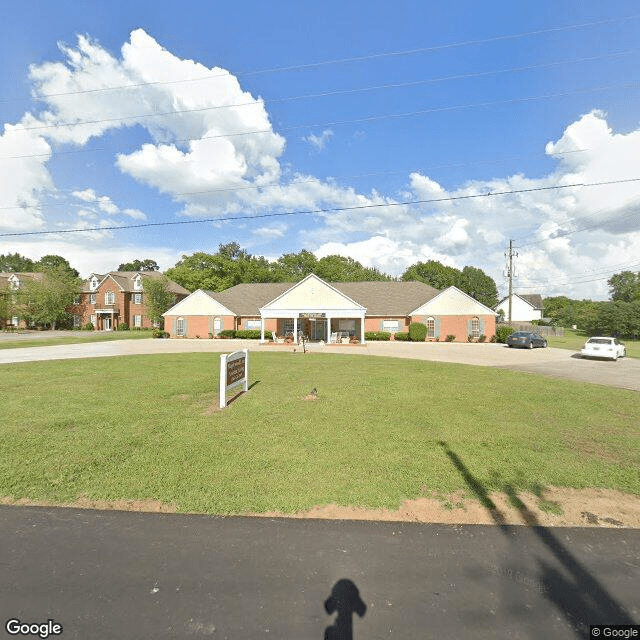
[(520, 334), (599, 341)]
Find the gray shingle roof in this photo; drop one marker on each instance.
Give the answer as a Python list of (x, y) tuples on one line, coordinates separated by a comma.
[(534, 299), (379, 298), (125, 280)]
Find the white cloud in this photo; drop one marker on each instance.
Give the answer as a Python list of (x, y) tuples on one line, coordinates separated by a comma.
[(270, 232), (319, 142)]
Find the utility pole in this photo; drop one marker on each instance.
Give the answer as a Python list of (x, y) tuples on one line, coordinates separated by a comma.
[(510, 274)]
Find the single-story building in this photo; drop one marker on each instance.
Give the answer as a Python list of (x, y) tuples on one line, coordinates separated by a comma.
[(321, 310), (524, 307)]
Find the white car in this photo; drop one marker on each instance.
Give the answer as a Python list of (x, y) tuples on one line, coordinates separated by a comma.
[(600, 347)]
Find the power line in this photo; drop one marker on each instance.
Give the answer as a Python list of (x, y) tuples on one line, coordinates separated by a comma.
[(362, 58), (490, 103), (319, 211), (266, 185)]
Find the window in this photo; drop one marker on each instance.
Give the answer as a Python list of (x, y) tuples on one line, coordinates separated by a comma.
[(137, 321), (431, 327), (109, 297), (93, 320), (392, 326), (475, 327), (254, 324), (76, 300), (137, 298), (181, 326), (92, 298), (94, 283), (287, 326), (137, 283), (77, 321)]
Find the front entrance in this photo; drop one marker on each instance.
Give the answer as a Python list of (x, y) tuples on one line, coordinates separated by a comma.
[(318, 329), (106, 323)]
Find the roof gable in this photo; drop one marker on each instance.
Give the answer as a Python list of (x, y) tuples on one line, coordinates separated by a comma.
[(199, 303), (312, 293), (453, 302)]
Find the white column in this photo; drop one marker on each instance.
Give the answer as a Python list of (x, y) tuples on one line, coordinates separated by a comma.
[(262, 340), (362, 329), (328, 330), (295, 329)]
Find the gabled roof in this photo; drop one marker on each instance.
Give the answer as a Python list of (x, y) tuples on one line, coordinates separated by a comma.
[(125, 281), (532, 299), (7, 277), (455, 301), (378, 298)]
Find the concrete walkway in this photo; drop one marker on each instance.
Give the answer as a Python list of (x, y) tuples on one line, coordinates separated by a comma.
[(560, 363)]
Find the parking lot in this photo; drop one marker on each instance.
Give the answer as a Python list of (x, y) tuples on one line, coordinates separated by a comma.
[(560, 363)]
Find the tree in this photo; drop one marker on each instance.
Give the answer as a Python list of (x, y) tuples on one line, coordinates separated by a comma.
[(45, 300), (16, 262), (52, 262), (140, 265), (292, 267), (479, 286), (343, 269), (158, 298), (625, 286), (433, 273)]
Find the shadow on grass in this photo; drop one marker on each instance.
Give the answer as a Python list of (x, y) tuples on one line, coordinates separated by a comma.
[(575, 592), (241, 393), (345, 599)]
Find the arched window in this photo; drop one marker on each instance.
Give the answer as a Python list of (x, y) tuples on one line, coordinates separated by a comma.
[(475, 327), (431, 327), (181, 327), (109, 297)]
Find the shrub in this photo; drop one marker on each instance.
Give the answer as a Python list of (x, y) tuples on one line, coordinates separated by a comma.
[(471, 337), (227, 333), (502, 333), (451, 338), (482, 338), (401, 335), (250, 334), (377, 335), (493, 339), (123, 326), (159, 333), (88, 326), (417, 332)]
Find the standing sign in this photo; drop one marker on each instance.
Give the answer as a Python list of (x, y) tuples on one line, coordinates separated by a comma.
[(234, 370)]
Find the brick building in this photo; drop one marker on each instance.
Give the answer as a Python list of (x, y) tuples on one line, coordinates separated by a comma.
[(108, 300)]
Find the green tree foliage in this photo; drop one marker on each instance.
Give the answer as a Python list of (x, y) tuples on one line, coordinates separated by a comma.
[(625, 286), (44, 300), (292, 267), (342, 269), (139, 265), (16, 262), (53, 262), (617, 318), (479, 286), (433, 273), (158, 298)]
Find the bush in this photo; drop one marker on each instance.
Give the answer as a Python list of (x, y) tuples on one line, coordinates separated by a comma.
[(227, 333), (451, 338), (401, 335), (482, 338), (123, 326), (377, 335), (251, 334), (88, 326), (502, 333), (159, 333), (417, 332)]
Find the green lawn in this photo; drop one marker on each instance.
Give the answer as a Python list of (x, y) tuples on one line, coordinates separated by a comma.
[(75, 339), (574, 340), (147, 427)]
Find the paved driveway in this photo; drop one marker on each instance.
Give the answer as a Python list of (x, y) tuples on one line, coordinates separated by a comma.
[(560, 363)]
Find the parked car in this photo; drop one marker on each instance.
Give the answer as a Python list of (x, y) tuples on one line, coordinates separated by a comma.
[(603, 347), (526, 340)]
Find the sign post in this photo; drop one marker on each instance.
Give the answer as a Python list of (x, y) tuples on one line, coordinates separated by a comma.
[(234, 370)]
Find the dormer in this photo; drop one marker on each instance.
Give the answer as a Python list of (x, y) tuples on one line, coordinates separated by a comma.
[(14, 282), (93, 283), (137, 282)]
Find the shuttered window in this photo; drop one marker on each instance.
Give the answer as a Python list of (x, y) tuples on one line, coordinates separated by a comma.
[(181, 327), (431, 327), (475, 327)]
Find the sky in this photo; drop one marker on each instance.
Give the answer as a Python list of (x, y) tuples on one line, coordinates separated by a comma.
[(388, 132)]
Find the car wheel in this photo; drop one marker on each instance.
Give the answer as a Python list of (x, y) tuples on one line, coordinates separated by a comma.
[(531, 345), (545, 344)]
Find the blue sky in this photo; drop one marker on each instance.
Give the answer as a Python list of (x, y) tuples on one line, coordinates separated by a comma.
[(135, 113)]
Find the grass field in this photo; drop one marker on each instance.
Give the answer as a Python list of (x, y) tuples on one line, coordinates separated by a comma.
[(148, 427), (90, 336), (575, 340)]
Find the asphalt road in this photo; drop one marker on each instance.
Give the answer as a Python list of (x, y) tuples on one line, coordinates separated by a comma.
[(127, 575), (559, 363)]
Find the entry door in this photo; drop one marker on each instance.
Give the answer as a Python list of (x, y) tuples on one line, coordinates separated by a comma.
[(106, 323), (319, 330)]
